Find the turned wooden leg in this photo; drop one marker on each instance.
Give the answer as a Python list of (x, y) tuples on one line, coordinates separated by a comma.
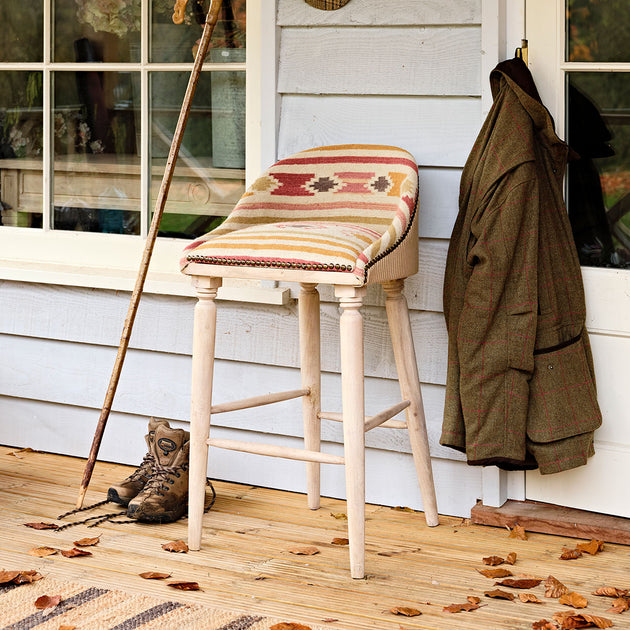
[(310, 366), (352, 389), (201, 402), (404, 353)]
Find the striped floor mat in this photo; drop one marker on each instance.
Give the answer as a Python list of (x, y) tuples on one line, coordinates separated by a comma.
[(91, 608)]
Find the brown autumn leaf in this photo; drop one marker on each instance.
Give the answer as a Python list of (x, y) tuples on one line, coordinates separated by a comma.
[(573, 599), (554, 588), (340, 516), (592, 547), (455, 608), (511, 558), (176, 546), (570, 554), (154, 575), (17, 453), (610, 591), (184, 586), (47, 601), (518, 531), (519, 583), (8, 576), (569, 619), (493, 560), (403, 508), (64, 627), (75, 553), (87, 542), (27, 577), (495, 573), (42, 552), (528, 598), (621, 604), (543, 624), (304, 551), (41, 525), (289, 626), (339, 541), (499, 594), (405, 610), (473, 600)]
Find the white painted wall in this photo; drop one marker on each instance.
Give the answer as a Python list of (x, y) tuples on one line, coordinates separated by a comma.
[(409, 76)]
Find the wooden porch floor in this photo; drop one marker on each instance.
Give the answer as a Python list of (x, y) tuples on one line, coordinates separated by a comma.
[(246, 565)]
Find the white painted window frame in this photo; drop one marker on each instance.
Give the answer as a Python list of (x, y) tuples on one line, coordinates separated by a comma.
[(111, 261)]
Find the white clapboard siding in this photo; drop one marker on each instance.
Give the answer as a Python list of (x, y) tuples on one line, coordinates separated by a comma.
[(438, 201), (436, 131), (158, 384), (363, 60), (390, 477), (399, 13)]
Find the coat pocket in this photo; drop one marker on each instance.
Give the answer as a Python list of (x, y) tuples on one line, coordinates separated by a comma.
[(562, 395)]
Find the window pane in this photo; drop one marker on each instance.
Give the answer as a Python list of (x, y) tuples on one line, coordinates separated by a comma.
[(97, 30), (22, 30), (21, 149), (209, 177), (599, 182), (598, 31), (96, 121), (173, 43)]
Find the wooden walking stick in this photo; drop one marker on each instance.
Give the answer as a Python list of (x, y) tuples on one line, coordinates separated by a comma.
[(178, 16)]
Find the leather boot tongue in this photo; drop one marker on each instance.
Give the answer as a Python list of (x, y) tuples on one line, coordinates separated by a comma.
[(168, 444)]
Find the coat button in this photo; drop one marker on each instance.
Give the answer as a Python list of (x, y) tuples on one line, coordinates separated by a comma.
[(550, 366)]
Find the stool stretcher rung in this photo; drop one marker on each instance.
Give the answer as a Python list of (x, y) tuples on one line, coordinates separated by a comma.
[(277, 451), (381, 419), (257, 401)]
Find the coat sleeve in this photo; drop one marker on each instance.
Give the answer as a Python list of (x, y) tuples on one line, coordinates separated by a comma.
[(497, 327)]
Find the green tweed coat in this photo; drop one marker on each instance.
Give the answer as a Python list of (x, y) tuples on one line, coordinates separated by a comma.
[(520, 389)]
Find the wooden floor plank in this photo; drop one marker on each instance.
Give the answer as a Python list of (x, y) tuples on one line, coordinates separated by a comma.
[(245, 563)]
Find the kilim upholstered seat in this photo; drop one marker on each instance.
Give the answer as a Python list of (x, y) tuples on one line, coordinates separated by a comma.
[(340, 215)]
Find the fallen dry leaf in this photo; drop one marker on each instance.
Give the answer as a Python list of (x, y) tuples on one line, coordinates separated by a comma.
[(473, 600), (573, 599), (518, 531), (499, 594), (184, 586), (304, 551), (493, 560), (289, 626), (8, 576), (42, 552), (455, 608), (495, 573), (47, 601), (592, 547), (75, 553), (519, 583), (570, 619), (511, 558), (528, 598), (405, 610), (27, 577), (554, 588), (610, 591), (570, 554), (87, 542), (543, 624), (340, 516), (41, 525), (66, 628), (339, 541), (177, 546), (28, 449), (621, 604), (154, 575), (401, 508)]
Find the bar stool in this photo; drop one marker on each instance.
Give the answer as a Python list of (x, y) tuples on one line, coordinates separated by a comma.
[(340, 215)]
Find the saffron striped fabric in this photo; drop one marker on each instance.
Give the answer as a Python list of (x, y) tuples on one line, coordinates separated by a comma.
[(334, 208)]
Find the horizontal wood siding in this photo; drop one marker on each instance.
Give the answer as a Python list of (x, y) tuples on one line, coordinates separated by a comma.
[(408, 75)]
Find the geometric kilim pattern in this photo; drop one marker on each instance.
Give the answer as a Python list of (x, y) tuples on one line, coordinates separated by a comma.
[(333, 208)]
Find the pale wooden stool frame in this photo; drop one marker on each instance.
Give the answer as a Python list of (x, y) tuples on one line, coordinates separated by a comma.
[(207, 278)]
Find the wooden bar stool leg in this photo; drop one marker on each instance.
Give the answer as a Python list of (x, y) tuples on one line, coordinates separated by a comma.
[(204, 334), (405, 356), (310, 362), (351, 340)]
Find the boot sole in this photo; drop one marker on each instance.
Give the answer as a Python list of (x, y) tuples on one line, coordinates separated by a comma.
[(114, 497), (165, 517)]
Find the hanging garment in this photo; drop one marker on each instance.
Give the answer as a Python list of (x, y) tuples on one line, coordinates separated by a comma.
[(520, 389)]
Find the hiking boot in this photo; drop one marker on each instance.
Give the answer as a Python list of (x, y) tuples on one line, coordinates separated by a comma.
[(128, 488), (164, 497)]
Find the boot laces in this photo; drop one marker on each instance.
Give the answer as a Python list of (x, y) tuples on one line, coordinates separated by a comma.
[(161, 476), (144, 470)]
